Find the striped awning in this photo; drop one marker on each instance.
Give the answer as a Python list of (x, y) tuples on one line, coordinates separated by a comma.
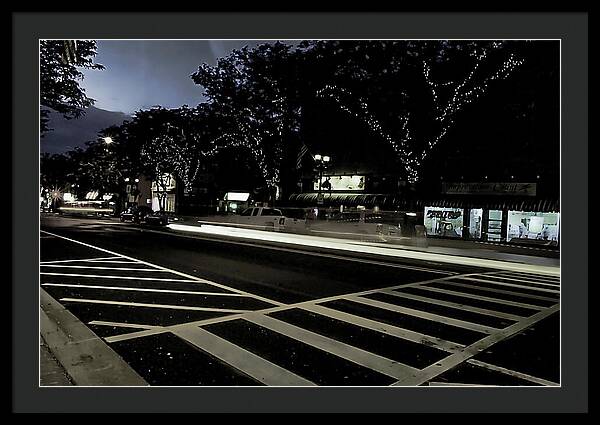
[(398, 201)]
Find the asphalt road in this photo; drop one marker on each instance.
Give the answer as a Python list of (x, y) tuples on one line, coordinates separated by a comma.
[(213, 311)]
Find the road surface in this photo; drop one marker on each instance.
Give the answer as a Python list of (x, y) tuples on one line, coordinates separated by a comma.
[(213, 311)]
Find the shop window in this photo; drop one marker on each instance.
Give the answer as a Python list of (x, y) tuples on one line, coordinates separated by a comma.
[(475, 219), (494, 231), (446, 222), (533, 225)]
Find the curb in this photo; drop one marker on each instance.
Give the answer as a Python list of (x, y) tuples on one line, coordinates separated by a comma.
[(86, 358)]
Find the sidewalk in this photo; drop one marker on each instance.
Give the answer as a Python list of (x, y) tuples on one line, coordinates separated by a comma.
[(51, 371), (71, 354)]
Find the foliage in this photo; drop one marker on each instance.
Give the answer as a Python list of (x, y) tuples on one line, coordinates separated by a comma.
[(60, 77)]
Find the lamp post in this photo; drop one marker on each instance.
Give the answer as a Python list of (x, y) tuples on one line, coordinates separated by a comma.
[(322, 162)]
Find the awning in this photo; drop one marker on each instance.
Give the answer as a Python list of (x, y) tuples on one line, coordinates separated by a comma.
[(397, 201)]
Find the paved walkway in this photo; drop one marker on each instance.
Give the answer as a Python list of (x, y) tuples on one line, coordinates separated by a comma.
[(51, 372)]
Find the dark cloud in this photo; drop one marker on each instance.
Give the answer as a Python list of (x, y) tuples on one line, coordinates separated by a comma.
[(143, 73)]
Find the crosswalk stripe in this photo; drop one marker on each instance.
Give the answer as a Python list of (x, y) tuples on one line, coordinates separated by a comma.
[(127, 288), (481, 297), (119, 277), (463, 307), (525, 280), (477, 279), (497, 291), (530, 378), (243, 360), (105, 268), (122, 325), (395, 331), (164, 306), (354, 354), (424, 315), (529, 275), (87, 260), (455, 359)]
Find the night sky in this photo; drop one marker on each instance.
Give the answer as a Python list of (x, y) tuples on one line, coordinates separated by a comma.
[(141, 74)]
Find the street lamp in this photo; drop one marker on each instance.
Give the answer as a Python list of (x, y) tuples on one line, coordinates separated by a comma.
[(322, 161), (108, 140)]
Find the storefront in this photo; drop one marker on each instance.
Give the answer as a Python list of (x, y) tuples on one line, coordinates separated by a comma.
[(164, 193)]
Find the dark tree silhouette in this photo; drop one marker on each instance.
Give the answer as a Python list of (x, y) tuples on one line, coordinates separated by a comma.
[(60, 77)]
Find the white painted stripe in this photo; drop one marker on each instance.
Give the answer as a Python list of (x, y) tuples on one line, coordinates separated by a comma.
[(105, 268), (525, 281), (457, 306), (424, 315), (394, 331), (165, 306), (118, 277), (123, 325), (482, 298), (496, 291), (495, 282), (455, 359), (127, 288), (193, 278), (83, 260), (514, 373), (530, 275), (133, 335), (354, 354), (243, 360)]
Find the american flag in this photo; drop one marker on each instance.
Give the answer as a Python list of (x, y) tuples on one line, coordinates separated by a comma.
[(303, 151)]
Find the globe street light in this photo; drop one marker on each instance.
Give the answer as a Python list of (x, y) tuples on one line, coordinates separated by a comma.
[(108, 140), (322, 161)]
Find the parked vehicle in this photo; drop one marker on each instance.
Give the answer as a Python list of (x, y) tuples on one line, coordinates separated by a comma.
[(156, 218), (261, 217), (136, 214)]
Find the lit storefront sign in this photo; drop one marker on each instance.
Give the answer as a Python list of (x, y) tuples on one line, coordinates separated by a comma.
[(447, 222), (237, 196), (68, 197), (533, 225), (520, 189), (341, 183)]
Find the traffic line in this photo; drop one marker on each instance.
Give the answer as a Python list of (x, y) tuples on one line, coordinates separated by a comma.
[(122, 325), (424, 315), (385, 328), (71, 261), (354, 354), (118, 277), (530, 275), (514, 373), (164, 306), (494, 290), (187, 276), (243, 360), (127, 288), (430, 372), (513, 285), (132, 335), (104, 268), (450, 304), (482, 298), (534, 283)]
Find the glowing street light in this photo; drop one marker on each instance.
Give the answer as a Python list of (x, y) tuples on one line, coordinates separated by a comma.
[(108, 140)]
